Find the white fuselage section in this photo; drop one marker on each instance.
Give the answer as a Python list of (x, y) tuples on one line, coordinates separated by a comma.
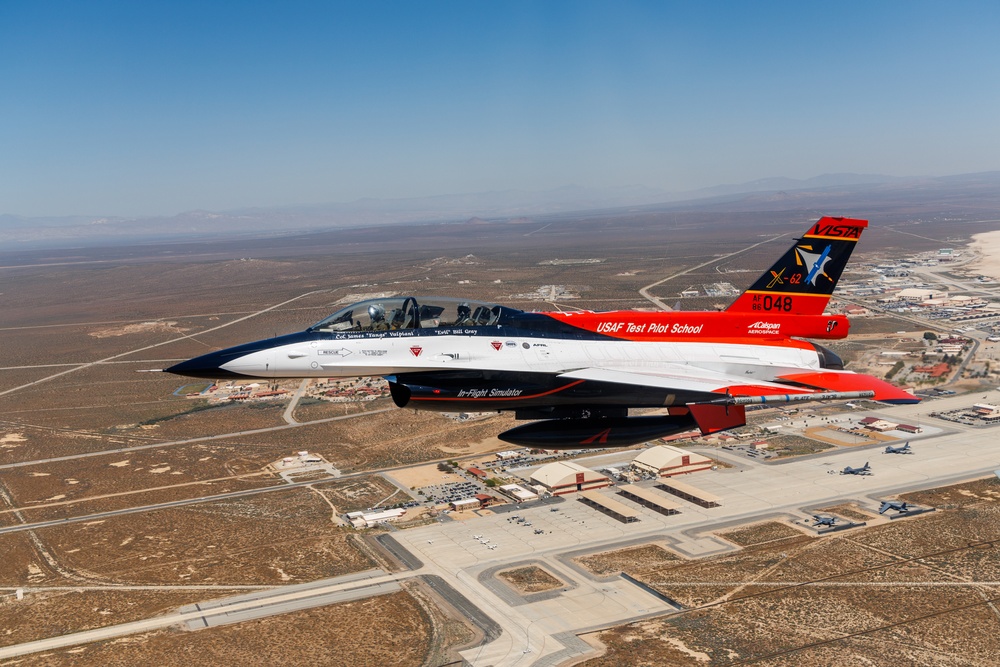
[(399, 352)]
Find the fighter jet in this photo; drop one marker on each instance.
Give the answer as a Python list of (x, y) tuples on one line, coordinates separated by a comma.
[(863, 470), (899, 506), (824, 520), (576, 375), (902, 449)]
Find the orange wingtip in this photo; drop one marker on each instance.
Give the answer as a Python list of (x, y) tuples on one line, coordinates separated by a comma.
[(845, 381)]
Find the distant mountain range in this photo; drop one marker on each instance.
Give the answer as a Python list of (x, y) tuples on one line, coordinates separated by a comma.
[(781, 183), (18, 232)]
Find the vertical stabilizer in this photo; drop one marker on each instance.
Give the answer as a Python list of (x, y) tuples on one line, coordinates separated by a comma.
[(801, 282)]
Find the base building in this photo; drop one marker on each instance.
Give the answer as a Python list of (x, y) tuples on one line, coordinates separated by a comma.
[(666, 461), (565, 477)]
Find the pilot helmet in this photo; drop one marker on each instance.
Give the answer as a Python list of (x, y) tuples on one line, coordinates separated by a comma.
[(376, 312), (464, 310)]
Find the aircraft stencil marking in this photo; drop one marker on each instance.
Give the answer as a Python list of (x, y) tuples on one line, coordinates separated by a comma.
[(341, 352)]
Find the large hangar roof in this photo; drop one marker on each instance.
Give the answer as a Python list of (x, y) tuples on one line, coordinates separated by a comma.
[(665, 456), (562, 473)]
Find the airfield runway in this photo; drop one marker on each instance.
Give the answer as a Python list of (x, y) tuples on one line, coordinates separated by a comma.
[(462, 557), (542, 632)]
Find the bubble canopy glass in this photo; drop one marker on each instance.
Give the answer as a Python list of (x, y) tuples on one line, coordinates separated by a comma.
[(408, 312)]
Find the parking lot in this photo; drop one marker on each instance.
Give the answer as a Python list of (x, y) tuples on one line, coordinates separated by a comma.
[(447, 493)]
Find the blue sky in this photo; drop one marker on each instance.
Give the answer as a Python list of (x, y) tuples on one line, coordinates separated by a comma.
[(136, 108)]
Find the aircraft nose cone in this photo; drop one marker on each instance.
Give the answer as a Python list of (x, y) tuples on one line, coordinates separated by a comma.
[(207, 366)]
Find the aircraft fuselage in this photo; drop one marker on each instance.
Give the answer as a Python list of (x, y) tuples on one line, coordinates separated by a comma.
[(582, 371), (519, 361)]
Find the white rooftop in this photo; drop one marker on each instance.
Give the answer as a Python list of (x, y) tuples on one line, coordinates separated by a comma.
[(667, 456), (561, 473)]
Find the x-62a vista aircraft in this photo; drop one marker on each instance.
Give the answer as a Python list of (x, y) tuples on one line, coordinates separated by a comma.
[(576, 375)]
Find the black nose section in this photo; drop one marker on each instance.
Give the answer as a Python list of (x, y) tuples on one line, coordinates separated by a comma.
[(206, 366)]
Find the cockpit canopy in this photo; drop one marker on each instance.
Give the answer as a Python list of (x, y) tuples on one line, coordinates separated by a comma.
[(407, 312)]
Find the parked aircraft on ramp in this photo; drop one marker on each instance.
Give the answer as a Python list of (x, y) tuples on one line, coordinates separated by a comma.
[(898, 506), (577, 375)]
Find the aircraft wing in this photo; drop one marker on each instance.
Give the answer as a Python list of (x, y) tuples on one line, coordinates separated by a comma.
[(725, 395), (685, 378)]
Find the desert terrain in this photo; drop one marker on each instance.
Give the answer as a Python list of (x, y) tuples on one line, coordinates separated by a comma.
[(84, 429), (904, 592)]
